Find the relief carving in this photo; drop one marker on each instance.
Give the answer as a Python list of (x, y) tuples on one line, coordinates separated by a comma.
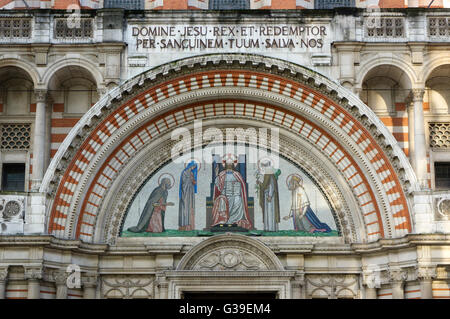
[(127, 287), (230, 259)]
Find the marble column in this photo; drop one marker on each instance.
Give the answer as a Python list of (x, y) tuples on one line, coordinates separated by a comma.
[(410, 108), (3, 280), (397, 279), (89, 286), (425, 276), (33, 276), (48, 133), (39, 139), (420, 149), (61, 284)]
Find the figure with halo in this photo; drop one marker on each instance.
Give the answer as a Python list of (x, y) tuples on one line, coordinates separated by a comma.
[(188, 189), (303, 217), (267, 186), (230, 197), (152, 217)]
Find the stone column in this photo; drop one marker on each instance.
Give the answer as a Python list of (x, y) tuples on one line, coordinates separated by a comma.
[(420, 149), (48, 133), (89, 286), (61, 284), (410, 108), (39, 139), (398, 278), (3, 280), (33, 275), (297, 286), (425, 275)]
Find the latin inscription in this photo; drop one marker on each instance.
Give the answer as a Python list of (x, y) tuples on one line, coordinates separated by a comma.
[(204, 37)]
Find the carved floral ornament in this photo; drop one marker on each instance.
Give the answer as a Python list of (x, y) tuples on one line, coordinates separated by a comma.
[(127, 287), (230, 252), (363, 117)]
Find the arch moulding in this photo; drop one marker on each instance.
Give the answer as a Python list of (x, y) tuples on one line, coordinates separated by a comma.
[(128, 118)]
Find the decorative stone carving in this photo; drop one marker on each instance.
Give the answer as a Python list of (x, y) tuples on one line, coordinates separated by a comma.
[(40, 96), (127, 287), (12, 211), (33, 273), (417, 95), (384, 27), (426, 272), (12, 207), (372, 278), (439, 135), (230, 252), (397, 275), (66, 29), (15, 28), (439, 27), (442, 206), (60, 277), (15, 136), (229, 259), (332, 286)]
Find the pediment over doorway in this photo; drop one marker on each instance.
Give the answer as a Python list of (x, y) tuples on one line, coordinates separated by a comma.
[(230, 252)]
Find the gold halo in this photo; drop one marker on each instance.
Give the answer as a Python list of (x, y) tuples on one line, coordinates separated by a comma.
[(168, 175), (288, 179), (199, 164)]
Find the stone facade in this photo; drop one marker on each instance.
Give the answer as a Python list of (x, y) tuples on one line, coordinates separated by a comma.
[(360, 99)]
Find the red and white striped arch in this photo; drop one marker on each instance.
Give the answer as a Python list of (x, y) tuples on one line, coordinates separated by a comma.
[(74, 215)]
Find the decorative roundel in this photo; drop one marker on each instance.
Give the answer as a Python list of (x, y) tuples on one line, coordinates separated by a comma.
[(444, 207), (169, 176), (12, 208), (295, 176)]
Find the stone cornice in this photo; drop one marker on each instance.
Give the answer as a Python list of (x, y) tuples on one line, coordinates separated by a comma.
[(128, 248)]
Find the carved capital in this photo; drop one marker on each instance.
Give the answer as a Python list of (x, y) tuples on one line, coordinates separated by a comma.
[(102, 91), (33, 273), (417, 95), (426, 272), (397, 275), (3, 274), (60, 277), (40, 96), (372, 279)]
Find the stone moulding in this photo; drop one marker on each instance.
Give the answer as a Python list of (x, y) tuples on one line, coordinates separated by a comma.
[(334, 90), (150, 79)]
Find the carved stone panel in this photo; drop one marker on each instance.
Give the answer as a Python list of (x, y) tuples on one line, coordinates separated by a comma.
[(127, 287), (230, 259), (230, 252)]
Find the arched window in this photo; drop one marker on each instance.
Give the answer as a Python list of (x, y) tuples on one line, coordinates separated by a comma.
[(229, 4)]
